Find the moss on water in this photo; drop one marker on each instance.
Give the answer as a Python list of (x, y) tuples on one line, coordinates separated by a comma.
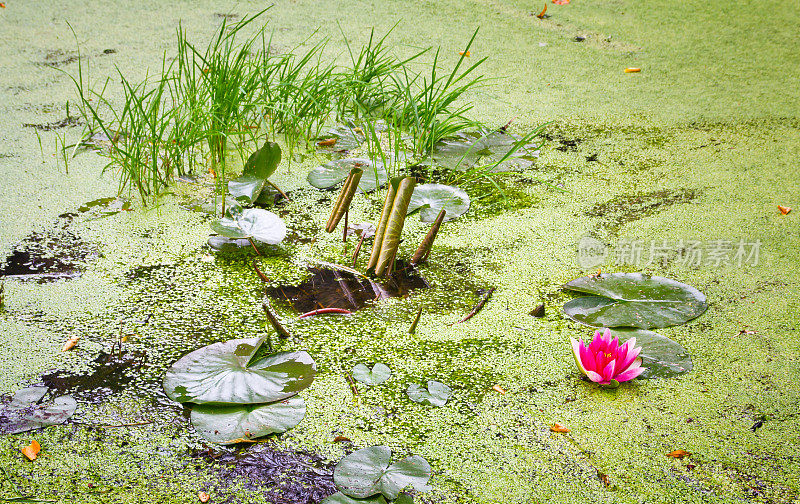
[(702, 145)]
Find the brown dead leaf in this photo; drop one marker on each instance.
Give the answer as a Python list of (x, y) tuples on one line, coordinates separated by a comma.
[(541, 14), (559, 428), (784, 209), (328, 142), (342, 439), (498, 389), (632, 70), (2, 5), (203, 497), (678, 454), (31, 450), (70, 343)]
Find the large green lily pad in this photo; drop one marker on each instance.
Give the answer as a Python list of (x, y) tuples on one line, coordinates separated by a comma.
[(436, 393), (430, 199), (467, 150), (367, 472), (378, 374), (633, 300), (258, 168), (233, 424), (223, 373), (260, 225), (334, 172), (340, 498), (661, 356), (24, 412)]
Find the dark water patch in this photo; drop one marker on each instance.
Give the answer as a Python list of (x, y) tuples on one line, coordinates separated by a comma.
[(332, 288), (58, 58), (108, 373), (67, 122), (564, 144), (628, 208), (280, 476)]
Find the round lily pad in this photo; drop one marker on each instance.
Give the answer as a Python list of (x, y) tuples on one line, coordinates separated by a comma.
[(379, 373), (223, 374), (436, 393), (258, 168), (430, 199), (24, 413), (334, 172), (633, 300), (340, 498), (233, 424), (367, 472), (661, 356), (260, 225), (466, 150)]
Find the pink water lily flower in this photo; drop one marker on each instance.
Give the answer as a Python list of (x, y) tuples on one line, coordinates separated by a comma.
[(607, 362)]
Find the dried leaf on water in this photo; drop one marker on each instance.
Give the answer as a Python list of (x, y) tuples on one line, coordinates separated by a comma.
[(559, 428), (203, 497), (31, 450), (784, 210), (678, 454), (342, 439), (632, 70), (498, 389), (70, 343), (541, 14), (328, 142)]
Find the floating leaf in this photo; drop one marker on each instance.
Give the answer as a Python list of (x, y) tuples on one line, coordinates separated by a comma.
[(70, 343), (255, 223), (223, 373), (367, 472), (24, 413), (559, 428), (467, 150), (222, 244), (32, 450), (678, 454), (334, 172), (436, 394), (258, 168), (340, 498), (633, 300), (430, 199), (379, 374), (345, 138), (784, 209), (232, 424), (661, 356)]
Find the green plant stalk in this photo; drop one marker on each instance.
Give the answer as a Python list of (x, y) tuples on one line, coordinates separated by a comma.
[(413, 328), (345, 198), (273, 319), (387, 236)]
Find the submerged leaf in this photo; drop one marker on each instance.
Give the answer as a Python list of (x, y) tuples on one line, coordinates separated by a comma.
[(223, 374), (661, 356), (334, 172), (379, 374), (260, 225), (436, 393), (633, 300), (231, 424), (24, 413), (430, 199)]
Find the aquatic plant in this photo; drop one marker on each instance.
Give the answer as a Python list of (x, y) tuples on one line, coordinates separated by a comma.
[(605, 361), (390, 226), (434, 393), (369, 471), (25, 412), (378, 374)]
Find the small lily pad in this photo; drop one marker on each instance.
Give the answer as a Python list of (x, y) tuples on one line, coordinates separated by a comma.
[(334, 172), (260, 225), (340, 498), (436, 393), (347, 138), (379, 374), (24, 413), (633, 300), (467, 150), (223, 373), (258, 168), (430, 199), (661, 356), (367, 472), (232, 424)]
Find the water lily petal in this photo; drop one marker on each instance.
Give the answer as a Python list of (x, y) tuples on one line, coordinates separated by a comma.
[(594, 376), (596, 343), (586, 357), (576, 352), (608, 371), (629, 352), (632, 372)]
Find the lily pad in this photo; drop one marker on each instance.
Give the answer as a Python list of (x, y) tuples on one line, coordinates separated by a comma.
[(334, 172), (24, 413), (347, 138), (367, 472), (436, 393), (379, 374), (258, 168), (661, 356), (222, 244), (255, 223), (340, 498), (223, 373), (233, 424), (467, 150), (430, 199), (633, 300)]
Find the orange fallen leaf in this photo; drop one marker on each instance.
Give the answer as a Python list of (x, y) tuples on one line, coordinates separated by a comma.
[(561, 2), (784, 209), (341, 439), (499, 389), (327, 142), (465, 54), (31, 450), (558, 428), (203, 497), (70, 343), (632, 70), (678, 454), (541, 14), (2, 5)]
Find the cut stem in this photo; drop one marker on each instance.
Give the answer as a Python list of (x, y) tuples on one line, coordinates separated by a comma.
[(413, 328), (387, 236), (273, 319), (343, 201), (358, 248), (477, 307), (424, 250)]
